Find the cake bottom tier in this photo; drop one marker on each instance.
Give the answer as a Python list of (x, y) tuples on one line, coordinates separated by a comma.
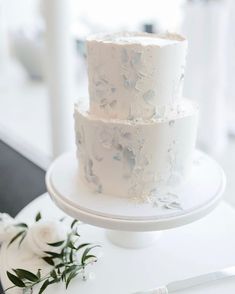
[(135, 159)]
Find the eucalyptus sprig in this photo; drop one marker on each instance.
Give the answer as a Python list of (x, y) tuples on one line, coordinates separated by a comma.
[(65, 264)]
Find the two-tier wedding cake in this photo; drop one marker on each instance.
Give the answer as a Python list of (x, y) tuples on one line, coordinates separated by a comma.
[(136, 136)]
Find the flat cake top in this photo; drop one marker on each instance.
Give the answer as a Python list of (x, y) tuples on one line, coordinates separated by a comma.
[(144, 39)]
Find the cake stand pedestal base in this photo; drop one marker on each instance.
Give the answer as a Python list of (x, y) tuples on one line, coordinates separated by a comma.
[(133, 240)]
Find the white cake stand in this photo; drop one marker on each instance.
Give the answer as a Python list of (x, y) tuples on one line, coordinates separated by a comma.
[(131, 224)]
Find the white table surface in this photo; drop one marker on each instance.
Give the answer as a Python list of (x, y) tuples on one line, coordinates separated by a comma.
[(203, 246)]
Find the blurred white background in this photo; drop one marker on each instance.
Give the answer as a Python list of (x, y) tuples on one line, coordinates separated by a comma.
[(43, 68)]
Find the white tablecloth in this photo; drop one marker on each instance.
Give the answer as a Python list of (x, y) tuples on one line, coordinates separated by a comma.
[(203, 246)]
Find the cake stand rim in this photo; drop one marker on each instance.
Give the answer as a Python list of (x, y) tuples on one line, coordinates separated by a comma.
[(138, 225)]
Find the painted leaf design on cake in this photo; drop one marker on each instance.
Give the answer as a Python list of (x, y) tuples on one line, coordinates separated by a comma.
[(129, 161), (91, 177), (166, 200), (106, 138), (124, 56), (148, 96), (128, 82), (135, 58)]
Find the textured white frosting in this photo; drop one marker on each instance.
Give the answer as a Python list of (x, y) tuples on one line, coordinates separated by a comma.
[(132, 75), (136, 138), (135, 158)]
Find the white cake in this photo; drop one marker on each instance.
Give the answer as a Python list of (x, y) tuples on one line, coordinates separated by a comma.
[(137, 136)]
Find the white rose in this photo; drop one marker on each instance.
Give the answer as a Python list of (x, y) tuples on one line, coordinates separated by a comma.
[(43, 233), (7, 228)]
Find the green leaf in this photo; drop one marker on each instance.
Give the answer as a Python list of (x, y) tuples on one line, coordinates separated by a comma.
[(44, 286), (39, 273), (22, 238), (70, 269), (21, 225), (85, 253), (71, 276), (24, 274), (90, 256), (58, 271), (38, 217), (73, 223), (16, 237), (71, 256), (48, 260), (63, 251), (53, 274), (59, 265), (53, 254), (15, 280), (82, 245), (76, 234), (55, 281), (71, 245), (56, 244)]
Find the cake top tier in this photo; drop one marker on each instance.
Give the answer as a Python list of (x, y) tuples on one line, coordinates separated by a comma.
[(132, 75), (144, 39)]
